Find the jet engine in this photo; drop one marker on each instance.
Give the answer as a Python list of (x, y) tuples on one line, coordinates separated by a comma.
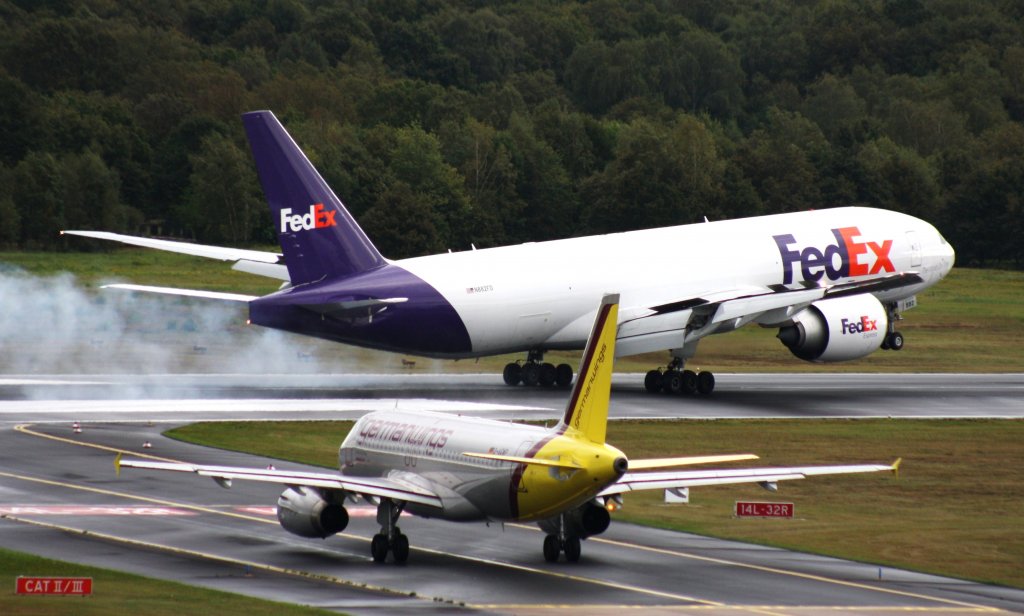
[(839, 329), (584, 521), (305, 512)]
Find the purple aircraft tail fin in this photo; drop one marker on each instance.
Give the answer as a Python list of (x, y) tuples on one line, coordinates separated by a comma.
[(318, 236)]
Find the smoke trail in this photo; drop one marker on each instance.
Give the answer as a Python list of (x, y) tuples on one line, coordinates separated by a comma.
[(51, 325)]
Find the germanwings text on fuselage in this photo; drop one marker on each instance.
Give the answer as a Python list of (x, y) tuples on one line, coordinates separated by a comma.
[(377, 430), (318, 217), (815, 263)]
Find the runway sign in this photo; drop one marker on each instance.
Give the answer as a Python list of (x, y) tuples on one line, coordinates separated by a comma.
[(54, 586), (745, 509)]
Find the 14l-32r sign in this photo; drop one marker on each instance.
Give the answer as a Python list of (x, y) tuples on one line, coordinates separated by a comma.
[(763, 510)]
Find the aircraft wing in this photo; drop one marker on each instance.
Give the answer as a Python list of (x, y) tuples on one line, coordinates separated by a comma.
[(268, 264), (681, 320), (631, 482), (740, 303), (365, 486)]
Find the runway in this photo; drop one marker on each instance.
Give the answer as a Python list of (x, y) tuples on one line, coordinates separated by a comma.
[(55, 486), (187, 397)]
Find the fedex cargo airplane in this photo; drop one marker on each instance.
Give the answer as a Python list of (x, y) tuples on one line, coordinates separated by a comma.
[(434, 465), (834, 282)]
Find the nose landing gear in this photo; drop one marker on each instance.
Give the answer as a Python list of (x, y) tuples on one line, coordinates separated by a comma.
[(893, 340), (390, 537)]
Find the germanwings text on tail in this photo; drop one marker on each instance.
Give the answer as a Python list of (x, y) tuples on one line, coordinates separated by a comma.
[(833, 282)]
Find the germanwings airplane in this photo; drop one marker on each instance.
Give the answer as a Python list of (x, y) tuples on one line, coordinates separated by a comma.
[(435, 465), (834, 282)]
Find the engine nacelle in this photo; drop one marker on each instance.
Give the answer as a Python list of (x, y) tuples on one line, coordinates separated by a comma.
[(584, 521), (837, 329), (303, 511)]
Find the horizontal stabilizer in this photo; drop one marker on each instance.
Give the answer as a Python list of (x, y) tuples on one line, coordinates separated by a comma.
[(185, 248), (231, 297), (653, 463), (518, 460)]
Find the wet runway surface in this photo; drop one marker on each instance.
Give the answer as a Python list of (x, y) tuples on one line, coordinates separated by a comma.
[(194, 397), (59, 497)]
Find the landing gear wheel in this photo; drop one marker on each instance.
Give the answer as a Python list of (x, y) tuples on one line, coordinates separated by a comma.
[(689, 382), (572, 549), (563, 375), (885, 343), (705, 383), (513, 374), (895, 340), (548, 374), (551, 548), (379, 548), (652, 382), (400, 548), (672, 381), (531, 374)]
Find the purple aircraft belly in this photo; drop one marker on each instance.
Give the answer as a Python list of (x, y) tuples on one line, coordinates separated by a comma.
[(425, 324)]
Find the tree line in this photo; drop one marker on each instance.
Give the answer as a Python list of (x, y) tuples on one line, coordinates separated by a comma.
[(445, 123)]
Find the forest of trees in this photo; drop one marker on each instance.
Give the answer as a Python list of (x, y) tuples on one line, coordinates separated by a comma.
[(442, 123)]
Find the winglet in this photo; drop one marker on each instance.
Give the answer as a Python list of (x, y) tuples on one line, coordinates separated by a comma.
[(117, 464), (587, 410), (896, 466)]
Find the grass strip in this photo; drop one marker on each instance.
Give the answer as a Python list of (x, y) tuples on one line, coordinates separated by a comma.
[(124, 593)]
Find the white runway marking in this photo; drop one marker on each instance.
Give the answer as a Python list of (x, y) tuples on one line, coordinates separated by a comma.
[(91, 510), (31, 408)]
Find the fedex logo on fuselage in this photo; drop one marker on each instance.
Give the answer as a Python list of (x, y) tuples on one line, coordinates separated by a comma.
[(318, 217), (847, 257)]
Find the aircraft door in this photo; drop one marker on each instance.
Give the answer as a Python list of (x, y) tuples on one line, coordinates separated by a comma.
[(533, 328), (915, 248), (521, 451)]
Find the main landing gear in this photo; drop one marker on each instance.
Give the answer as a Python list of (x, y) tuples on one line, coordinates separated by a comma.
[(534, 371), (390, 537), (675, 380), (562, 541)]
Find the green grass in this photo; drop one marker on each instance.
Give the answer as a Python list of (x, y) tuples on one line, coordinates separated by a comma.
[(954, 510), (123, 593), (140, 266), (973, 321)]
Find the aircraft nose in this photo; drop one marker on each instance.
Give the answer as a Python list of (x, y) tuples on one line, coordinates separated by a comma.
[(946, 254)]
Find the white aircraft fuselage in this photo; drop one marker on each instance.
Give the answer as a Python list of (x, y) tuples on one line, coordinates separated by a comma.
[(541, 295)]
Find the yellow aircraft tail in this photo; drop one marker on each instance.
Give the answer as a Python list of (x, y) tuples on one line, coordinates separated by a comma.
[(586, 414)]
